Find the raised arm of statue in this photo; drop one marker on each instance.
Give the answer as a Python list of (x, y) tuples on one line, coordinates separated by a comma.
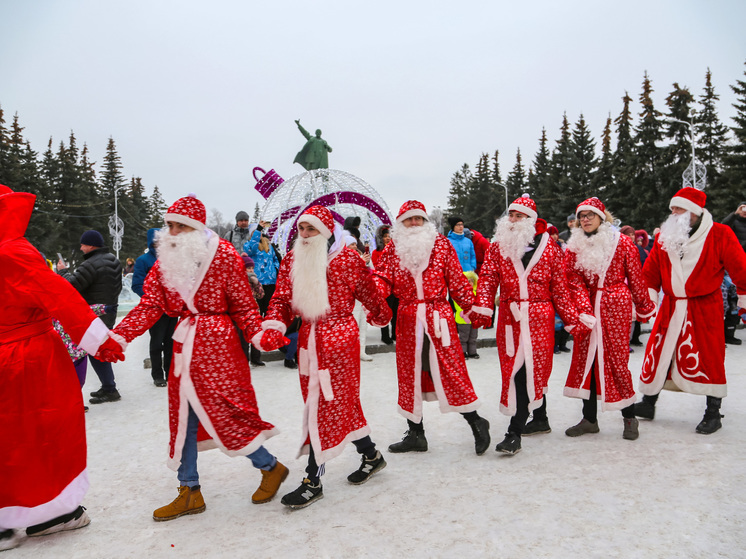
[(303, 130)]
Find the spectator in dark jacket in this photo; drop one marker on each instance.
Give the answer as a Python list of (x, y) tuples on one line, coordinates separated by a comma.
[(240, 233), (161, 333), (737, 222), (99, 280)]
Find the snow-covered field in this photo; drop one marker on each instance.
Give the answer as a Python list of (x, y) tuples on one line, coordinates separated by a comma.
[(671, 493)]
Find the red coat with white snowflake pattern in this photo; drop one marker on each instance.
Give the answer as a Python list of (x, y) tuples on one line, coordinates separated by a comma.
[(209, 370), (685, 345), (329, 352), (609, 298), (424, 310), (525, 323)]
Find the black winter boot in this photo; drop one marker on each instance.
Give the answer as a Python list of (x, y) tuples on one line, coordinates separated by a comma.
[(731, 322), (645, 408), (711, 421), (414, 440)]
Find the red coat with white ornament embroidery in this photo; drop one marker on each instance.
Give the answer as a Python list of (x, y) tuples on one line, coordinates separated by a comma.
[(424, 311), (209, 371), (605, 352), (525, 324), (329, 352)]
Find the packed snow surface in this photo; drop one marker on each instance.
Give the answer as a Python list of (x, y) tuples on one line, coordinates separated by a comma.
[(671, 493)]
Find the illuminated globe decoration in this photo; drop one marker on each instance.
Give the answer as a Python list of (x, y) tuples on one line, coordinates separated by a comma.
[(695, 175), (343, 193)]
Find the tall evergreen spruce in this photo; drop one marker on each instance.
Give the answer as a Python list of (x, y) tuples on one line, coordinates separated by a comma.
[(501, 202), (460, 188), (483, 199), (539, 182), (736, 157), (582, 161), (516, 180), (560, 175), (113, 180), (712, 144), (677, 155), (602, 181), (156, 208), (646, 192), (623, 161)]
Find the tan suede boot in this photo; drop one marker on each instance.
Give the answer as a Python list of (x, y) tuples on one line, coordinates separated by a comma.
[(271, 480), (189, 501)]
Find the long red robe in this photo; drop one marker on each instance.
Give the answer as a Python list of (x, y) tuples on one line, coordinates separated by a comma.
[(329, 352), (525, 323), (686, 345), (424, 310), (209, 371), (609, 298), (42, 424)]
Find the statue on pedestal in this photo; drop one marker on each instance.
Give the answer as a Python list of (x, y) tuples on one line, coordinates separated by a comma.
[(315, 154)]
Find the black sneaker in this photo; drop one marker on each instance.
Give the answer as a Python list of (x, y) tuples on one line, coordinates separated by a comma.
[(511, 444), (709, 424), (306, 494), (413, 441), (481, 430), (565, 349), (473, 356), (367, 469), (97, 393), (290, 364), (105, 397), (257, 363), (537, 427), (160, 383)]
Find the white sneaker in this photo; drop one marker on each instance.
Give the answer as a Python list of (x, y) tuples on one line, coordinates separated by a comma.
[(76, 519), (10, 539), (365, 357)]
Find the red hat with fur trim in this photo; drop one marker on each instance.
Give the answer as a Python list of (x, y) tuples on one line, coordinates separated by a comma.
[(411, 208), (320, 218), (525, 205), (690, 199), (189, 211), (594, 205)]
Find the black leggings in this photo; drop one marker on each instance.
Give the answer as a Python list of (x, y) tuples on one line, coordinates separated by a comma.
[(364, 446), (590, 406), (518, 421)]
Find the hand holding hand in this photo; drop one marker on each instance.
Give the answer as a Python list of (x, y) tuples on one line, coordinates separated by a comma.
[(580, 332), (110, 351), (480, 320), (272, 340)]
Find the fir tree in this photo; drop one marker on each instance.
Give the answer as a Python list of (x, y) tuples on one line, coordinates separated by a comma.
[(539, 179), (677, 155), (112, 180), (560, 175), (646, 192), (156, 208), (603, 179), (460, 187), (736, 158), (582, 162), (516, 180), (616, 194), (712, 141)]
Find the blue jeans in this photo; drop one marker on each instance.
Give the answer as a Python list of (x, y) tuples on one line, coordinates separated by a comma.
[(187, 473), (105, 374), (292, 347)]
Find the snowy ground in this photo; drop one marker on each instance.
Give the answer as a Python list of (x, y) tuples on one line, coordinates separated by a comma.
[(671, 493)]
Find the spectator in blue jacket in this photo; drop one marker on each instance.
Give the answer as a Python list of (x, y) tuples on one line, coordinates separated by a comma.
[(161, 342), (463, 245), (266, 264)]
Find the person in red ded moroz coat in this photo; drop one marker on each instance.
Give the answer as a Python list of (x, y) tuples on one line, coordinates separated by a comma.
[(422, 269), (603, 271), (528, 268), (686, 349), (42, 424), (200, 278), (320, 279)]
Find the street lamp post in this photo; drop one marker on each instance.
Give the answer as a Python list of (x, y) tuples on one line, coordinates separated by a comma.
[(507, 203), (696, 173)]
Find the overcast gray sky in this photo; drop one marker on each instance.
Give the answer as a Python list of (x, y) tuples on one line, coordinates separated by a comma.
[(196, 94)]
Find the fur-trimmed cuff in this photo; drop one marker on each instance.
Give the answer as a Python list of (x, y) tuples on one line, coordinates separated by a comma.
[(569, 328), (372, 321), (484, 311), (587, 319), (653, 295), (94, 336), (648, 315), (119, 339), (256, 341), (273, 325)]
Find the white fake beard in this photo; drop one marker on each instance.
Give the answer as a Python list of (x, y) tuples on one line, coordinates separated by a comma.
[(674, 233), (180, 257), (414, 245), (308, 274), (593, 252), (513, 238)]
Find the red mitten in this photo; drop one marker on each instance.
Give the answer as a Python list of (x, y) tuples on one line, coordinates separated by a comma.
[(742, 314), (480, 321), (580, 332), (272, 340), (380, 320), (110, 351)]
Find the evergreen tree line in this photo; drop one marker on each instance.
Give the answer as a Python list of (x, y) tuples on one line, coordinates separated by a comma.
[(72, 198), (635, 173)]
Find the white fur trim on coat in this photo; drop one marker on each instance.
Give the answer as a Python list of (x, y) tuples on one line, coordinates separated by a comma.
[(94, 336)]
